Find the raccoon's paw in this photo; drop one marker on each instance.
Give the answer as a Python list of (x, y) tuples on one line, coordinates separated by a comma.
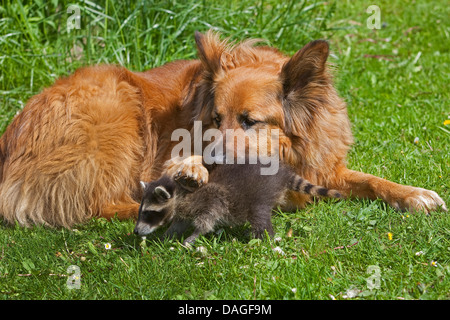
[(189, 240), (188, 172), (419, 199)]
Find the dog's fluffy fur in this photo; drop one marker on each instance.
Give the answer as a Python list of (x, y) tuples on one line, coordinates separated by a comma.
[(79, 148)]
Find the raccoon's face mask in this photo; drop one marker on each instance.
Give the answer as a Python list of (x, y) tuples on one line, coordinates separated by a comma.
[(155, 209)]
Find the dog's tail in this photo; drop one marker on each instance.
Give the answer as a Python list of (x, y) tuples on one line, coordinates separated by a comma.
[(302, 185)]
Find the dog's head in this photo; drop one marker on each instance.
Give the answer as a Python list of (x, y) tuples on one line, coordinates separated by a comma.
[(256, 87)]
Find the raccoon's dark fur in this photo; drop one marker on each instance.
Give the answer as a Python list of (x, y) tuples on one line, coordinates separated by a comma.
[(235, 194)]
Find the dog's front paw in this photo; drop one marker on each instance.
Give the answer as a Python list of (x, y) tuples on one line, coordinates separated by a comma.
[(419, 199), (189, 172)]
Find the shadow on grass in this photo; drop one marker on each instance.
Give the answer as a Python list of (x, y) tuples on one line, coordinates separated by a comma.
[(220, 236)]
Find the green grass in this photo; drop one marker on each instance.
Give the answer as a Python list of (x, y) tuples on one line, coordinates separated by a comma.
[(395, 81)]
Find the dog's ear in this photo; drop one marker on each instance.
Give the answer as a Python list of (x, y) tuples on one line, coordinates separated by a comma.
[(306, 66), (210, 50), (305, 83)]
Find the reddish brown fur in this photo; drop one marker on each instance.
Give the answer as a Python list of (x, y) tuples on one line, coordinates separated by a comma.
[(79, 148), (295, 95)]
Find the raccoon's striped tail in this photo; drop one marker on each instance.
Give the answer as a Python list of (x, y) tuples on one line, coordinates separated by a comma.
[(304, 186)]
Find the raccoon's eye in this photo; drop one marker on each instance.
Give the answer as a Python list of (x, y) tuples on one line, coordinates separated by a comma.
[(153, 217)]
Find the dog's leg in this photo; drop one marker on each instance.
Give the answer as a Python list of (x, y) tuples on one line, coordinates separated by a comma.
[(189, 171), (401, 197), (121, 210)]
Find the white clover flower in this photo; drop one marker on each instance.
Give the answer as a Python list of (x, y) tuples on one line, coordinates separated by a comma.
[(278, 250), (419, 253), (351, 293), (277, 239), (294, 290), (201, 250)]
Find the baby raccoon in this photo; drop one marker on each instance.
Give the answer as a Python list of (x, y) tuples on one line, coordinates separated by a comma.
[(235, 194)]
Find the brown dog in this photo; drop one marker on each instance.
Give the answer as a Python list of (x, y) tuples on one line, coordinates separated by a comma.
[(79, 148)]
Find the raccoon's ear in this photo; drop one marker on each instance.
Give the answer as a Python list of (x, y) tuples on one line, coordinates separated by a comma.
[(143, 184), (161, 192), (210, 50)]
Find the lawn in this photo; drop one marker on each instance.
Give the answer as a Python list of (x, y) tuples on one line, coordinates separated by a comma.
[(395, 81)]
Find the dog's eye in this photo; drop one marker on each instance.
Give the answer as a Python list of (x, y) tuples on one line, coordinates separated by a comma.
[(248, 123), (217, 120)]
